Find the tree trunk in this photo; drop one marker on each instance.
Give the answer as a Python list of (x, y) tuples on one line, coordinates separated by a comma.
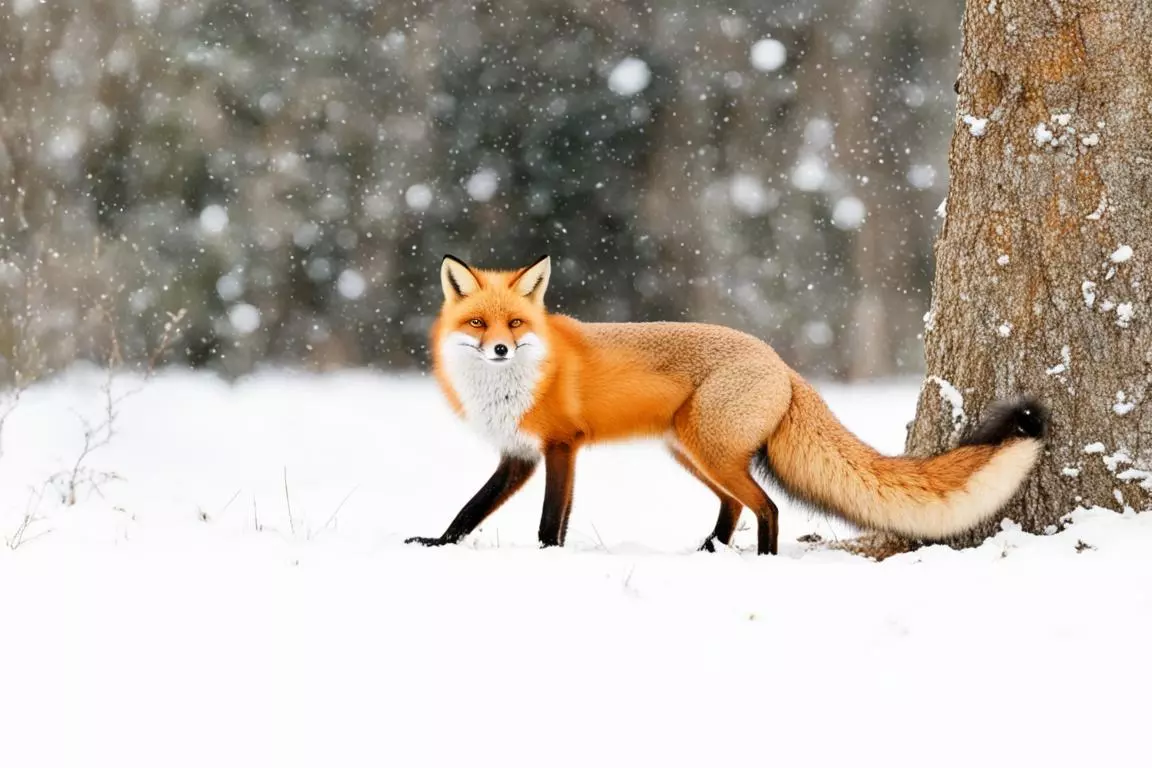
[(1042, 275)]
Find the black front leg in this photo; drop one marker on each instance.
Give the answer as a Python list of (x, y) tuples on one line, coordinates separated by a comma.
[(559, 464), (509, 477)]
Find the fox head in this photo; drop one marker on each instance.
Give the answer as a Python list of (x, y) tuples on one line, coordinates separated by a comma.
[(496, 317)]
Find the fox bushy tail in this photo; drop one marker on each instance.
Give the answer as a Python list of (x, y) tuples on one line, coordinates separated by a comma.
[(816, 459)]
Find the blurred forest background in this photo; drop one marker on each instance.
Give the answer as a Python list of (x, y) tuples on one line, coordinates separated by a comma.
[(290, 173)]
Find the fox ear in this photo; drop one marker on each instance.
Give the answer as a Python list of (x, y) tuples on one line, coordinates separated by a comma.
[(457, 279), (533, 281)]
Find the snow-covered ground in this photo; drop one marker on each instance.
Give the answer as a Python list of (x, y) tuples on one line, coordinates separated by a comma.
[(179, 614)]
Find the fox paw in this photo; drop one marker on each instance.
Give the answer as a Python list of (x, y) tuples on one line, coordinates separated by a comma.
[(709, 545), (426, 541)]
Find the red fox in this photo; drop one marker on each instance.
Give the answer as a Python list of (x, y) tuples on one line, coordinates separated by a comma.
[(538, 385)]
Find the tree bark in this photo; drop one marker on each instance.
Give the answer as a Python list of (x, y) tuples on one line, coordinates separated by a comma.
[(1042, 276)]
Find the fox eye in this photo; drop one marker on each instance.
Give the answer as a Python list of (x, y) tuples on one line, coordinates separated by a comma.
[(515, 323), (476, 322)]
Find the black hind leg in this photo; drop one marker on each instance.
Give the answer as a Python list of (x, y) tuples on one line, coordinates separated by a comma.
[(729, 507), (725, 524), (768, 529)]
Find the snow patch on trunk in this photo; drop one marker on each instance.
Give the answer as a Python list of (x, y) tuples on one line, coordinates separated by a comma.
[(955, 399)]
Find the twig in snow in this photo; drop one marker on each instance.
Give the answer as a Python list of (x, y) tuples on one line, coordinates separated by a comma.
[(225, 507), (602, 544), (96, 436), (628, 580), (332, 517), (18, 539), (288, 500), (20, 536)]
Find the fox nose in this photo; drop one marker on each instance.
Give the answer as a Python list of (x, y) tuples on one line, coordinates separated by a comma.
[(501, 350)]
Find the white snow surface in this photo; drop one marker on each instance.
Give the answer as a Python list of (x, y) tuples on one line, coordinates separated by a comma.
[(153, 624)]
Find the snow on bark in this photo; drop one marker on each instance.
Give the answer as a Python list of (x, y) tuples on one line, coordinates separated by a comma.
[(955, 400), (1121, 254), (1088, 291), (977, 126)]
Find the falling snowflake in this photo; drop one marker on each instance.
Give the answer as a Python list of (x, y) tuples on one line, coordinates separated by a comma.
[(629, 77), (769, 55)]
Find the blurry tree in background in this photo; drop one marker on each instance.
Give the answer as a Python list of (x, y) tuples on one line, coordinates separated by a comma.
[(1043, 283), (290, 172)]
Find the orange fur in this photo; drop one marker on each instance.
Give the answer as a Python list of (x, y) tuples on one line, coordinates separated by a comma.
[(719, 397)]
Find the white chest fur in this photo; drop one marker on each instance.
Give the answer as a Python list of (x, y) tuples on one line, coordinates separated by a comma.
[(496, 395)]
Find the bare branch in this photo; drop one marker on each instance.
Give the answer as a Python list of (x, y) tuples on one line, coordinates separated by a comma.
[(171, 331)]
